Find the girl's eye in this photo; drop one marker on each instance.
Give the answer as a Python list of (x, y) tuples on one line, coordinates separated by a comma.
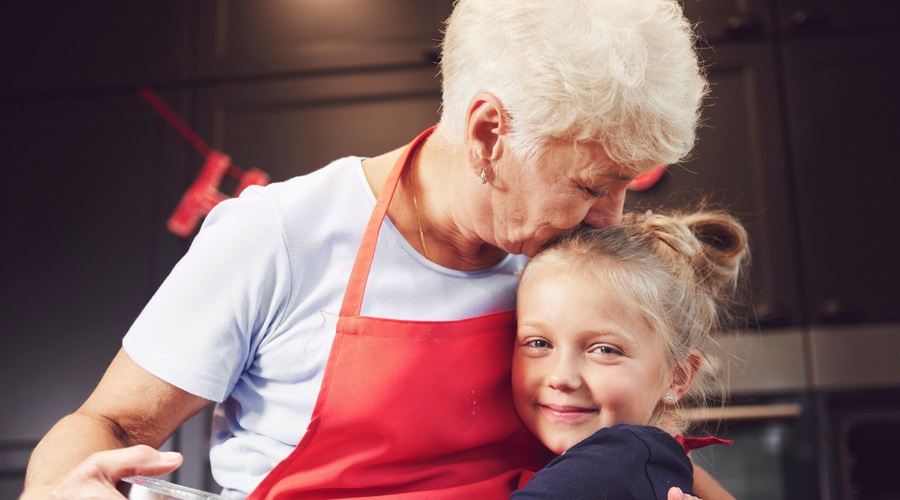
[(538, 344), (606, 349)]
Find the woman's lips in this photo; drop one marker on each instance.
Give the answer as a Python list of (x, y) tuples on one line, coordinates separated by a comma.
[(567, 414)]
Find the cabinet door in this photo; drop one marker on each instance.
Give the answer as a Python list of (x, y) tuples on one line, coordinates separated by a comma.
[(292, 127), (278, 36), (88, 185), (738, 165), (54, 46), (845, 123)]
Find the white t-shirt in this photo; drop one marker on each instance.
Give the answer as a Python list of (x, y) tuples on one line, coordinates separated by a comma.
[(248, 316)]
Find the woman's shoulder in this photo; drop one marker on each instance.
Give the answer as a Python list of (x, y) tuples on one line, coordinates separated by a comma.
[(326, 199), (331, 182), (326, 206)]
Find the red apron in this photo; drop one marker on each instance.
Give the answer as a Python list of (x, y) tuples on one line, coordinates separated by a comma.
[(412, 409)]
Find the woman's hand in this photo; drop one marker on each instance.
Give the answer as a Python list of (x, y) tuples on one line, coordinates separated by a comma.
[(96, 476), (675, 493)]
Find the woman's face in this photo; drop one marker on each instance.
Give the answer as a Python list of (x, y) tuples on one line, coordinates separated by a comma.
[(583, 360), (531, 205)]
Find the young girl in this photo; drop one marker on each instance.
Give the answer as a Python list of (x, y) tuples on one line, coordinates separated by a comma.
[(611, 323)]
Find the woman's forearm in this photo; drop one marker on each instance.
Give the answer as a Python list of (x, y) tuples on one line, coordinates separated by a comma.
[(68, 443), (708, 488)]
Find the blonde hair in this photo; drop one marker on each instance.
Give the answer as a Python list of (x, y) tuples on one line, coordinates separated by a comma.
[(621, 73), (680, 270)]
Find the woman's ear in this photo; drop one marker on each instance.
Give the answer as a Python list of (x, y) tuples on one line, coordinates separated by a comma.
[(486, 123), (683, 375)]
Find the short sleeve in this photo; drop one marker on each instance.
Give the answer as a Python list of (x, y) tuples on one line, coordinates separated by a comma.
[(200, 330)]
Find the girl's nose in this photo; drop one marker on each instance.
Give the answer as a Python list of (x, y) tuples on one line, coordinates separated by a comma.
[(563, 375)]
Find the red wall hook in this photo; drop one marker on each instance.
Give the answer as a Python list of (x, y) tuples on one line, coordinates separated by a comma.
[(204, 193)]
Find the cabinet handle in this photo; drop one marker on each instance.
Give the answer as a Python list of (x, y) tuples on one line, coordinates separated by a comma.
[(746, 412), (805, 21), (743, 25), (769, 315), (841, 310)]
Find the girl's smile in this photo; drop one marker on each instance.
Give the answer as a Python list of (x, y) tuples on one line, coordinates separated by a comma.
[(567, 414)]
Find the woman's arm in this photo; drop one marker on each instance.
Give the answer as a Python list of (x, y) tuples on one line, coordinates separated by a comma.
[(129, 407), (708, 488)]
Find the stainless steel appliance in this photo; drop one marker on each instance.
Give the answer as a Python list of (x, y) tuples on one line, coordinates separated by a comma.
[(815, 413)]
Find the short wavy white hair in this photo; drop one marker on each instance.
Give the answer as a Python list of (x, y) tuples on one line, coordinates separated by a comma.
[(622, 73)]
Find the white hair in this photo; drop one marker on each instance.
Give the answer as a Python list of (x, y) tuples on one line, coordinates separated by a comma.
[(622, 73)]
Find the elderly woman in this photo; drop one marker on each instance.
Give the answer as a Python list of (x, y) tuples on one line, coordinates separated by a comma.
[(356, 325)]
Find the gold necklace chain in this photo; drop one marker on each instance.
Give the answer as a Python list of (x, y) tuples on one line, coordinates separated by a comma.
[(412, 181)]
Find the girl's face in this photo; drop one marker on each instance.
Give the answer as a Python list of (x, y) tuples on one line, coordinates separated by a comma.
[(583, 359)]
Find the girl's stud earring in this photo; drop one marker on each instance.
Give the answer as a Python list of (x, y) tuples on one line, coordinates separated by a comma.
[(483, 177), (669, 398)]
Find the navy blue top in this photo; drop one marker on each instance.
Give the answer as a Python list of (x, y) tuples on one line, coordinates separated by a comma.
[(622, 461)]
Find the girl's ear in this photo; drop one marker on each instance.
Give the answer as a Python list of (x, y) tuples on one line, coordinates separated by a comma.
[(683, 375)]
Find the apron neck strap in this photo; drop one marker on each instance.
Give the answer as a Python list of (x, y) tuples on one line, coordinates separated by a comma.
[(356, 287)]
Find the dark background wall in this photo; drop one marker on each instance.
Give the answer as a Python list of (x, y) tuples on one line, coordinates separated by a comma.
[(800, 139)]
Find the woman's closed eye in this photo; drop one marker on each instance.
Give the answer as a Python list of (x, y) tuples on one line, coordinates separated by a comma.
[(595, 192)]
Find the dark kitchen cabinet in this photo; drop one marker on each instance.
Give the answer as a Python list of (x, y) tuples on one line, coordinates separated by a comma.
[(844, 116)]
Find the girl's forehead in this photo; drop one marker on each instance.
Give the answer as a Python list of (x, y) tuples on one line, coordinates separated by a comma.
[(599, 277), (576, 259), (568, 270)]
